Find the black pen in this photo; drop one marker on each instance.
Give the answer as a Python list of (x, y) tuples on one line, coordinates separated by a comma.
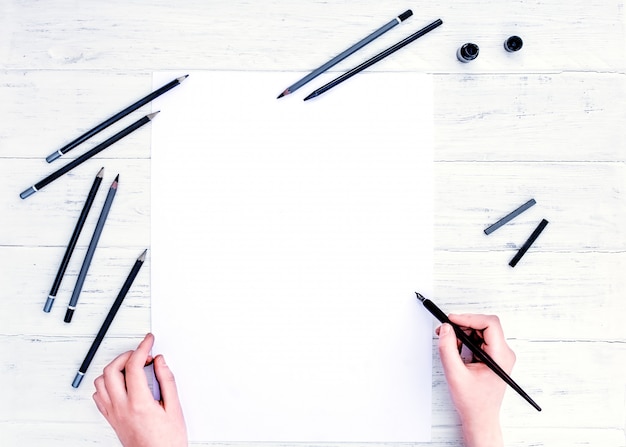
[(476, 350), (108, 320)]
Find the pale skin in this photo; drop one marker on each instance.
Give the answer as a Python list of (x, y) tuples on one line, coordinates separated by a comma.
[(124, 399), (476, 391)]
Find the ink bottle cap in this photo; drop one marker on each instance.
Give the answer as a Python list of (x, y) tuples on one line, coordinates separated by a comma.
[(467, 52), (513, 43)]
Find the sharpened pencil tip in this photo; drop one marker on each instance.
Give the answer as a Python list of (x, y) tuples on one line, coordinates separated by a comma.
[(285, 93), (420, 296), (182, 78), (115, 182), (100, 172), (142, 257), (312, 95), (152, 115)]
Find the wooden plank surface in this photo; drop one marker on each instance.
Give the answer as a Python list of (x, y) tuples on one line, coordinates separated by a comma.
[(545, 123)]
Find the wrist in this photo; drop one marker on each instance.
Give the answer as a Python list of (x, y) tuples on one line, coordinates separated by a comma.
[(482, 433)]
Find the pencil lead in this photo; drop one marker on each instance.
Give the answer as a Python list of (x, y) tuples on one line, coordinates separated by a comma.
[(285, 93), (152, 115), (100, 173), (312, 95), (115, 182), (142, 257), (420, 296), (182, 78)]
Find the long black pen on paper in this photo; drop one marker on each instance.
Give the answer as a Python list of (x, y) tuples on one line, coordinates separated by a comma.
[(87, 155), (72, 244), (108, 320), (118, 116), (341, 56), (368, 63), (91, 250), (478, 352)]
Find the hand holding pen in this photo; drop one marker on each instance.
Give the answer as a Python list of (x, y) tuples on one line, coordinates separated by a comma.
[(476, 391)]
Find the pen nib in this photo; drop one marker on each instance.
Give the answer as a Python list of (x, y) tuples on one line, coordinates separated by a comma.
[(420, 296)]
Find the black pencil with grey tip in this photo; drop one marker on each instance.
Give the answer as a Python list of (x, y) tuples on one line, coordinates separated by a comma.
[(341, 56), (118, 116), (72, 244), (109, 319), (478, 352), (87, 155), (368, 63)]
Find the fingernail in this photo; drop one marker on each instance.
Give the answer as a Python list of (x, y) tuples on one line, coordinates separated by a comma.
[(444, 330)]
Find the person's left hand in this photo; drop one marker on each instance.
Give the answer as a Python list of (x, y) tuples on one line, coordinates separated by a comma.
[(125, 400)]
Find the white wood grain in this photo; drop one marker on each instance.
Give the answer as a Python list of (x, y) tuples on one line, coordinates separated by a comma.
[(546, 122)]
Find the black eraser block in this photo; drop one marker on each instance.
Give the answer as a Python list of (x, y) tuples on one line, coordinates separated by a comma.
[(405, 15)]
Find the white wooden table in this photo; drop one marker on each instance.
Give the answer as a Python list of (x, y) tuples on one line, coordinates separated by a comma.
[(546, 123)]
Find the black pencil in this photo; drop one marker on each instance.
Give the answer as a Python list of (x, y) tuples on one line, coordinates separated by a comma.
[(118, 116), (373, 60), (87, 155), (535, 234), (72, 244), (476, 349), (108, 320)]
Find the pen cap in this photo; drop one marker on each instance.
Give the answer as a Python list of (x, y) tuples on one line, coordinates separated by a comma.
[(513, 43), (467, 52)]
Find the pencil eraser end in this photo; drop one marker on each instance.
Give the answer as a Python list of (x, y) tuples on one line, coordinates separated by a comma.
[(49, 303), (29, 192), (50, 158), (405, 15), (68, 315), (78, 379)]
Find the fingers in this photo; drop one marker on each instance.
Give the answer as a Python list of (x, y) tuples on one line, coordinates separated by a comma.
[(488, 324), (493, 336), (136, 381), (167, 383), (114, 381), (453, 365), (101, 397)]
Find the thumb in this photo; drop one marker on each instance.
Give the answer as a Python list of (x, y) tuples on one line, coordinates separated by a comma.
[(167, 383), (449, 352)]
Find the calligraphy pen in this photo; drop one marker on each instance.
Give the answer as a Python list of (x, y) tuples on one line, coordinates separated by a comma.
[(478, 352)]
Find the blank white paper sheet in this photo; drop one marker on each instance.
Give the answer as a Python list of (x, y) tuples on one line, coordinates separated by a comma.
[(288, 238)]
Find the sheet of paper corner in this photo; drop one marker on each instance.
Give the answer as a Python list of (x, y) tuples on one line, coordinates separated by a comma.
[(370, 116)]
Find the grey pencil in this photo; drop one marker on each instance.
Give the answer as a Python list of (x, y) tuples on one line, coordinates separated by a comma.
[(341, 56), (91, 250)]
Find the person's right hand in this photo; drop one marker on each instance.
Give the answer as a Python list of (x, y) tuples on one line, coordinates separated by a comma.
[(124, 399), (476, 391)]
